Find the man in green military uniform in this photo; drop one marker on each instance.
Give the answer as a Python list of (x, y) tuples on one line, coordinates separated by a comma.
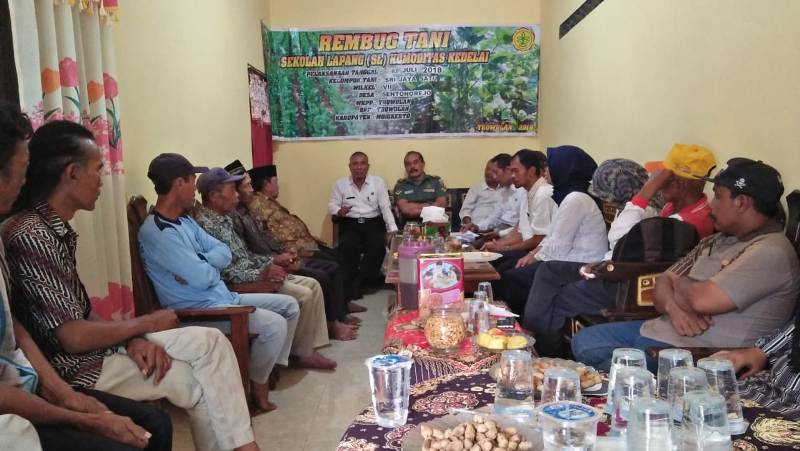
[(418, 189)]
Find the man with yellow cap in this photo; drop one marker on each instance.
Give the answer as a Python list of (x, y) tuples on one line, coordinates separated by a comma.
[(681, 184)]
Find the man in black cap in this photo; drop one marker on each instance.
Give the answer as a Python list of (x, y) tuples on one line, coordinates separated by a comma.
[(734, 287), (328, 273)]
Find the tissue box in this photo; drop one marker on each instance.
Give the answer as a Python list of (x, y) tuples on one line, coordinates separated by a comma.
[(441, 282)]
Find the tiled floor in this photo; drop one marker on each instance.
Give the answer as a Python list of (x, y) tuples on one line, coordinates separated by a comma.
[(315, 407)]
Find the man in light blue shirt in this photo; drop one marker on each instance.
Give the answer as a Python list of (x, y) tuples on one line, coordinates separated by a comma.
[(184, 264)]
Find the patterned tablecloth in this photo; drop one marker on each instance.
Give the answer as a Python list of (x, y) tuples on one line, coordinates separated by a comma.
[(434, 397), (404, 335), (441, 383)]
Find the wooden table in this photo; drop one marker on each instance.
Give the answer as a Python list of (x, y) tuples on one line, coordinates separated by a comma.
[(474, 273)]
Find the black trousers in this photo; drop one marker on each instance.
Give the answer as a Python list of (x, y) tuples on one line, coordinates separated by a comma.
[(361, 243), (67, 438), (504, 289), (330, 276), (559, 293)]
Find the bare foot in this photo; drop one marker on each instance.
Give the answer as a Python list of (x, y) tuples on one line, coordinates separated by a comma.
[(315, 361), (352, 307), (341, 331), (260, 394), (252, 446), (274, 378), (352, 320)]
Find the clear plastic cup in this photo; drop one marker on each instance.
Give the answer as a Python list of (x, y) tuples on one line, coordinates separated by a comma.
[(682, 381), (632, 383), (486, 287), (667, 360), (561, 384), (649, 425), (705, 423), (568, 425), (721, 377), (514, 393), (390, 379), (621, 358)]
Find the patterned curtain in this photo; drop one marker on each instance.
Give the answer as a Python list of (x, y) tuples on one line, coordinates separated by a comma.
[(64, 54)]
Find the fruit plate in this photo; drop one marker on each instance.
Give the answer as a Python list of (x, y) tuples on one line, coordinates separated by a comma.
[(413, 440), (477, 256), (588, 372), (511, 342)]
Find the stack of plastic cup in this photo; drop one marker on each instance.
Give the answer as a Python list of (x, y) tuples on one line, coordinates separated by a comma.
[(667, 360), (478, 315), (722, 379), (649, 425), (486, 287), (621, 358), (681, 382), (561, 384), (705, 423), (390, 379), (514, 392), (633, 383)]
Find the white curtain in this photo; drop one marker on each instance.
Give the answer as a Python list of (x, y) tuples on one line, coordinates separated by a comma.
[(64, 55)]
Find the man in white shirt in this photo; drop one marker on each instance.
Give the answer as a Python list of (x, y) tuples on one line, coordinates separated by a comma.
[(360, 203), (481, 199), (528, 168), (505, 211)]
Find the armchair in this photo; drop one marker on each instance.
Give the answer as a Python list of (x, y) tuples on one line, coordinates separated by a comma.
[(145, 300)]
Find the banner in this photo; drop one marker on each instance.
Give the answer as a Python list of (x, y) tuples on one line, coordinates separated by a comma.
[(437, 80)]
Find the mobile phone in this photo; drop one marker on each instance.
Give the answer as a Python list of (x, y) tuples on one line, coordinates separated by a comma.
[(505, 322)]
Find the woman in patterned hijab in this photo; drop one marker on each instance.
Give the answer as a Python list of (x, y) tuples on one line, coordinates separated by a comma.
[(617, 180)]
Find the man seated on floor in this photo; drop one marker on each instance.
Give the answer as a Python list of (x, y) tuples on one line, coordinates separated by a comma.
[(143, 358), (734, 287), (480, 201), (361, 206), (769, 372), (62, 417), (505, 212), (341, 325), (418, 189), (289, 230), (218, 192), (528, 171), (563, 290), (184, 264)]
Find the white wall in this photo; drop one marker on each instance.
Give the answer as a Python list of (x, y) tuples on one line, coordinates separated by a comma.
[(182, 67), (637, 76)]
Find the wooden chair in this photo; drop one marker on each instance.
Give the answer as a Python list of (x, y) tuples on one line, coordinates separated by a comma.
[(145, 300), (455, 199)]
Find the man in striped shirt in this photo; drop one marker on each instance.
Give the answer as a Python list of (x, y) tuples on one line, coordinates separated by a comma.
[(30, 390), (770, 371), (142, 358)]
